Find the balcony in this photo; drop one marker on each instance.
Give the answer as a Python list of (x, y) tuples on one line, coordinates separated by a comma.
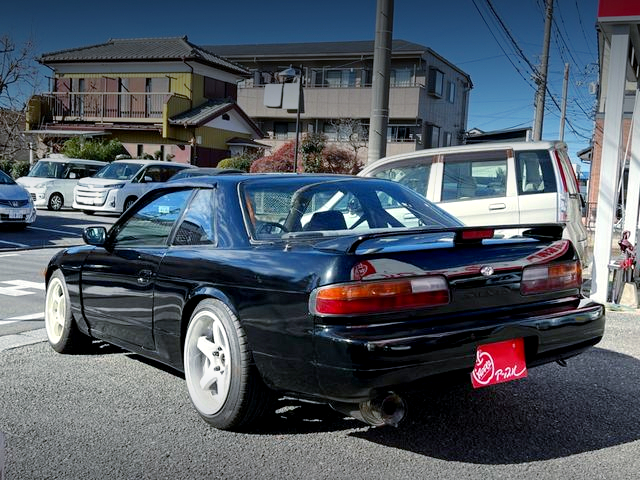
[(104, 107)]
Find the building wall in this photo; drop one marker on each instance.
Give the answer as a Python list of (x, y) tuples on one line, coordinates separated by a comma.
[(410, 104)]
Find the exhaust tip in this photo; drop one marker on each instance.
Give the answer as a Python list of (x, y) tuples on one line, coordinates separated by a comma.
[(387, 409)]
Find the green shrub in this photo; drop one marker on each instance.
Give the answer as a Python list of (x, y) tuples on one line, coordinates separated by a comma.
[(5, 165), (15, 169), (105, 151), (241, 163), (19, 169)]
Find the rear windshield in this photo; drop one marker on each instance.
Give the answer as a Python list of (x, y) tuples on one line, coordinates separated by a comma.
[(285, 209)]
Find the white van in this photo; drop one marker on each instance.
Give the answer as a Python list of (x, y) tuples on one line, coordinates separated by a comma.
[(51, 180), (495, 183), (119, 184)]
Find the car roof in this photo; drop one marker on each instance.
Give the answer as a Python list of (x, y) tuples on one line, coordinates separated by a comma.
[(232, 178), (73, 160), (141, 161), (471, 147)]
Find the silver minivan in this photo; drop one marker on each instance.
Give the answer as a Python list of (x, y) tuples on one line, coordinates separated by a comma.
[(505, 183)]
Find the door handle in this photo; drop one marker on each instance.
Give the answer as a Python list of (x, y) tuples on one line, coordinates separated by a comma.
[(497, 206), (144, 277)]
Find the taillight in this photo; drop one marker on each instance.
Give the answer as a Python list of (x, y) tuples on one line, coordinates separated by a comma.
[(379, 296), (551, 277)]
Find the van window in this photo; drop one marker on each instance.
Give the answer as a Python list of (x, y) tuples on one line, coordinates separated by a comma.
[(474, 175), (414, 175), (535, 172), (80, 170), (159, 173)]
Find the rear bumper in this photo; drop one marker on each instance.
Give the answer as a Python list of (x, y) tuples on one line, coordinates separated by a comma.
[(354, 362)]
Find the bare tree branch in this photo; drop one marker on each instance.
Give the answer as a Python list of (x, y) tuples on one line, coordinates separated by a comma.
[(18, 82)]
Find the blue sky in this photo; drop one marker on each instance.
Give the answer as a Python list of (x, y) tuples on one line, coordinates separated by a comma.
[(465, 32)]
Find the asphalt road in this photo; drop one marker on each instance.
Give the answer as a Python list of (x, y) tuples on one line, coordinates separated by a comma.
[(51, 229), (115, 415)]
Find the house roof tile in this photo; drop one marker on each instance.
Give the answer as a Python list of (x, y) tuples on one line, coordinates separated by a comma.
[(142, 49), (363, 47)]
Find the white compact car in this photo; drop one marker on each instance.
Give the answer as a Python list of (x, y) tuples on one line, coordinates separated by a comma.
[(118, 185), (51, 180), (16, 207), (508, 183)]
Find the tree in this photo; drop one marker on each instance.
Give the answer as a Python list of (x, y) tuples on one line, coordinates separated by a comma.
[(318, 158), (312, 146), (280, 161), (353, 133), (18, 81), (78, 147)]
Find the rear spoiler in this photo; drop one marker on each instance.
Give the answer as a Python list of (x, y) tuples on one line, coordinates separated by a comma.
[(470, 235)]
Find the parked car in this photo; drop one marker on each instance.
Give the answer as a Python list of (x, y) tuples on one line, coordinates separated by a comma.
[(16, 206), (51, 180), (229, 280), (119, 184), (495, 183), (202, 171)]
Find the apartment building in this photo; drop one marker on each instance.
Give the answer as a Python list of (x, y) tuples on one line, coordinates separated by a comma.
[(428, 98), (164, 97)]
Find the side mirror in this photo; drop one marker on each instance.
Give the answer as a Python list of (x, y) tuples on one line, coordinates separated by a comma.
[(72, 175), (95, 236), (148, 179)]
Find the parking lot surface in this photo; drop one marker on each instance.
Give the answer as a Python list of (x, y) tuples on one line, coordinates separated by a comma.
[(114, 415)]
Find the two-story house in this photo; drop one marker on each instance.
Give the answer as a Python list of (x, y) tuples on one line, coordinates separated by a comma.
[(165, 97), (428, 98)]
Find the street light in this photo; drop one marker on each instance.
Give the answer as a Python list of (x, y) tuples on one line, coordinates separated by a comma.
[(289, 76)]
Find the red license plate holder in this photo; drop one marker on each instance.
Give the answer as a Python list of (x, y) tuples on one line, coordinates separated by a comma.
[(499, 362)]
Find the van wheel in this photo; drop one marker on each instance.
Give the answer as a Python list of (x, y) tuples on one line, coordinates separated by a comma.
[(128, 202), (55, 202)]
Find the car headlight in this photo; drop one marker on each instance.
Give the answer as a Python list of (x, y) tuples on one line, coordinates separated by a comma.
[(115, 185), (42, 185)]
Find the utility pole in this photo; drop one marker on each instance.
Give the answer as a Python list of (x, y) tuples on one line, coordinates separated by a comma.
[(380, 83), (541, 79), (563, 112)]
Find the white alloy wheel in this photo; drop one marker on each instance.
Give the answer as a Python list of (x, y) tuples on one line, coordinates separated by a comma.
[(63, 333), (207, 362), (55, 316)]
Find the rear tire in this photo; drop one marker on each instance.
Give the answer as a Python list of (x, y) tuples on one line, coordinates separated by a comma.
[(224, 384), (62, 332)]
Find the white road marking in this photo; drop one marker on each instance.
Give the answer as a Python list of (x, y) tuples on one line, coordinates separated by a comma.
[(20, 288), (31, 316), (15, 244), (54, 231)]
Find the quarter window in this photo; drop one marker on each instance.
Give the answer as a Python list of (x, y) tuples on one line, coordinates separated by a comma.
[(197, 227), (535, 172)]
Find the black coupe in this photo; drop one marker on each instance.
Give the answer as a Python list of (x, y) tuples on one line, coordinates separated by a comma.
[(340, 289)]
